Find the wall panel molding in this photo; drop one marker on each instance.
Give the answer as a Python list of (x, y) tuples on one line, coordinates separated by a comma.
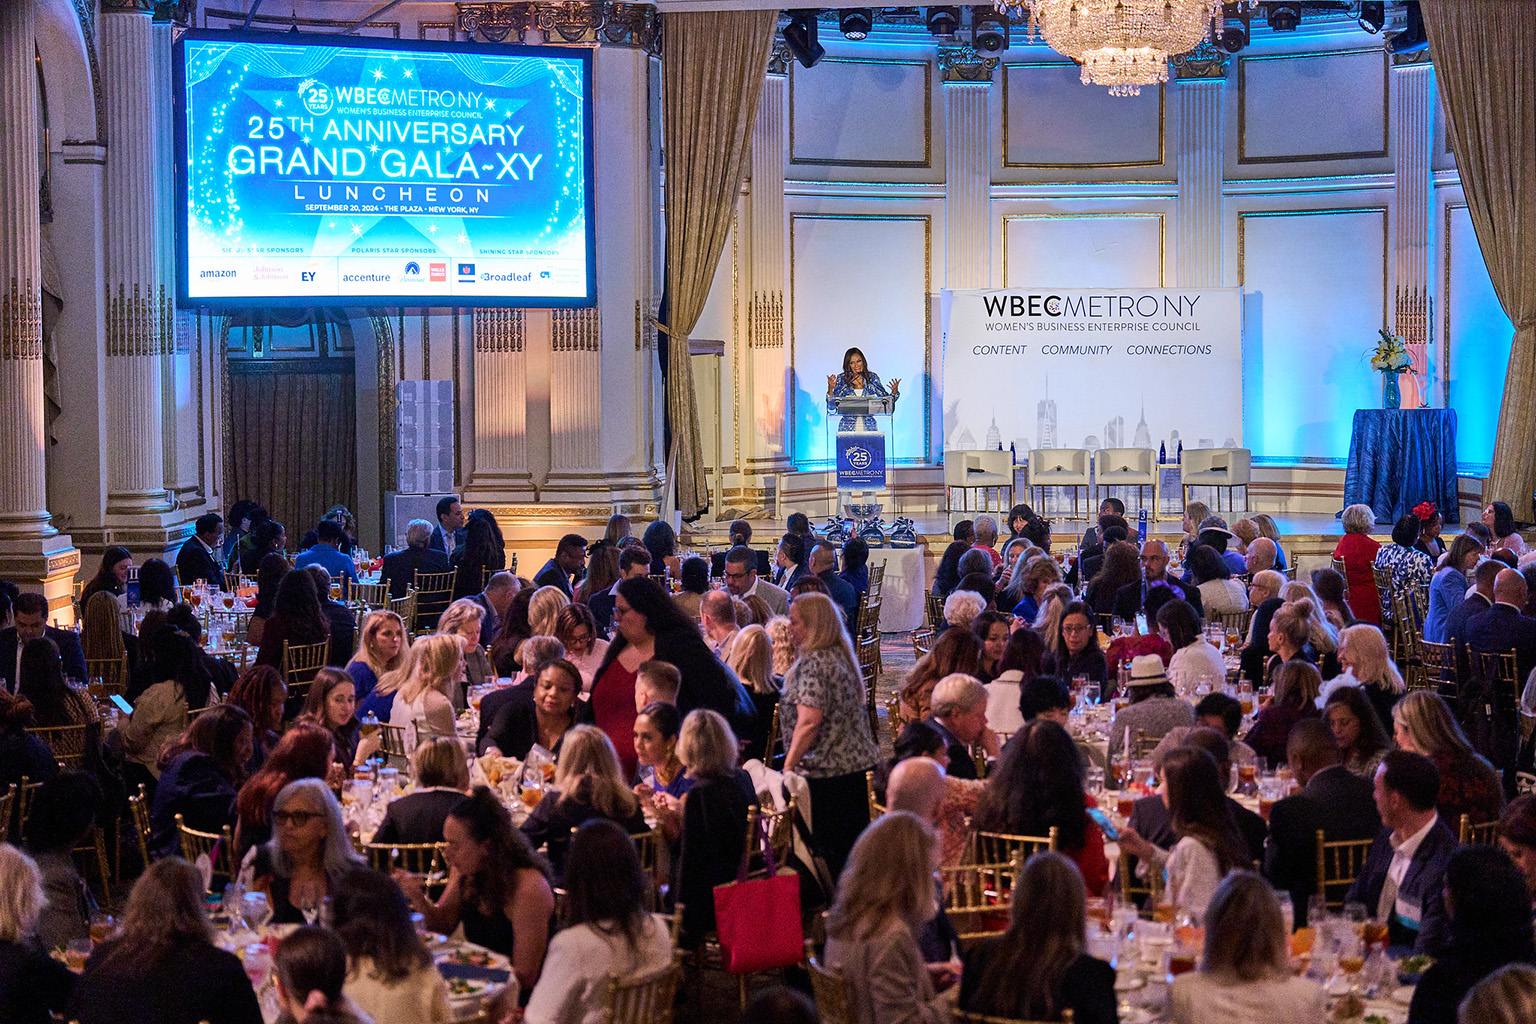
[(798, 135), (1324, 98)]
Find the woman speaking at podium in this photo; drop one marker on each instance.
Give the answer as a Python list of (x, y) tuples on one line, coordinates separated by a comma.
[(858, 381)]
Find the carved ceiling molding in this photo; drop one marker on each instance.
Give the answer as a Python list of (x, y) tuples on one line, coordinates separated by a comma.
[(571, 22)]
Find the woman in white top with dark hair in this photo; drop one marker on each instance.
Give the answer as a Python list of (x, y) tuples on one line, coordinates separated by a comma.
[(607, 930), (1196, 662), (1245, 974)]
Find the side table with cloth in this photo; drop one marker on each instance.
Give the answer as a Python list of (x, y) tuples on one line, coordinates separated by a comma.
[(1401, 457)]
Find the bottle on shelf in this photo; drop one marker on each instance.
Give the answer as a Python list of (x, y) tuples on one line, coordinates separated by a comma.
[(1162, 453), (1180, 457)]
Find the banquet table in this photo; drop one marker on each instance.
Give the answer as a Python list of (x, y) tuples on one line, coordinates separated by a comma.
[(1401, 457)]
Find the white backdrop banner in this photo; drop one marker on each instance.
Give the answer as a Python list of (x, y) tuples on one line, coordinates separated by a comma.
[(1093, 368)]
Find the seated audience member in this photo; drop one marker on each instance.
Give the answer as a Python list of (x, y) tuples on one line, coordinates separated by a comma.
[(198, 560), (712, 811), (220, 673), (1018, 665), (1468, 784), (1448, 587), (1151, 818), (742, 580), (112, 576), (1478, 600), (1214, 711), (956, 650), (1505, 627), (1408, 566), (1038, 786), (946, 576), (751, 658), (536, 652), (420, 687), (1507, 996), (884, 897), (1500, 520), (21, 753), (160, 712), (157, 586), (30, 614), (1333, 800), (1264, 598), (305, 752), (307, 857), (162, 965), (587, 785), (1073, 649), (607, 930), (203, 772), (1490, 909), (101, 632), (1358, 730), (856, 565), (1363, 653), (380, 651), (461, 620), (741, 537), (917, 785), (1039, 967), (1120, 568), (823, 564), (506, 649), (332, 704), (1517, 837), (1020, 514), (268, 575), (494, 598), (297, 620), (309, 970), (991, 628), (543, 721), (1112, 527), (960, 715), (1220, 593), (267, 537), (1412, 850), (1038, 575), (1261, 555), (390, 974), (400, 569), (1245, 973), (1196, 664), (693, 579), (576, 629), (1215, 535), (326, 553), (342, 623), (717, 620), (1328, 585), (570, 559), (1209, 843), (662, 772), (33, 985), (442, 779), (498, 887), (1296, 687), (60, 817), (1156, 586), (1154, 708), (656, 681)]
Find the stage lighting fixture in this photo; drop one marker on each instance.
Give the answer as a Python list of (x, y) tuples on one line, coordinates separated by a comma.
[(800, 37), (1373, 15), (1234, 34), (989, 30), (1284, 17), (943, 21), (855, 22), (1413, 37)]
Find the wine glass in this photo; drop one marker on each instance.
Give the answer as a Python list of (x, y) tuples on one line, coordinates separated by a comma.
[(255, 910)]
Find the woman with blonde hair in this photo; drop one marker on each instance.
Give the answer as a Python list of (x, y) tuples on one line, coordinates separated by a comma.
[(711, 815), (33, 985), (825, 725), (442, 779), (1245, 972), (1052, 603), (1038, 574), (462, 620), (421, 687), (587, 785), (1507, 996), (544, 609), (1363, 653), (751, 658), (1321, 633), (782, 643), (382, 643), (1423, 724), (883, 901)]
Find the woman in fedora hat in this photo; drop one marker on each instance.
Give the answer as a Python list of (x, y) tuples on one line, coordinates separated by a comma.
[(1154, 707)]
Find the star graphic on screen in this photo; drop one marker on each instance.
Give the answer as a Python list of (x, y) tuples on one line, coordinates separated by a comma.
[(278, 103), (490, 104), (357, 231), (462, 237), (378, 74), (306, 140), (409, 73), (374, 148), (333, 224), (432, 229)]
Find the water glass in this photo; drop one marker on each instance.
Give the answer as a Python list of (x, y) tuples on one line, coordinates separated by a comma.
[(1091, 692), (255, 910)]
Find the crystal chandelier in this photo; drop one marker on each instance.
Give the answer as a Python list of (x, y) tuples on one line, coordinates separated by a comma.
[(1124, 44)]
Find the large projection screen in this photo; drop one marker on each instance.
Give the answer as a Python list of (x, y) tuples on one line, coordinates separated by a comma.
[(326, 170)]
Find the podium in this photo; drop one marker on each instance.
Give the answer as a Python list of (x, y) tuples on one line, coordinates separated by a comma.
[(860, 434)]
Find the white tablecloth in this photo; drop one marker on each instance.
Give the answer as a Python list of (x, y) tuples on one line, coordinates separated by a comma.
[(903, 590)]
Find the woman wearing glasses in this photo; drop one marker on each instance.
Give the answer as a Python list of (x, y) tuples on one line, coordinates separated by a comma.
[(307, 857)]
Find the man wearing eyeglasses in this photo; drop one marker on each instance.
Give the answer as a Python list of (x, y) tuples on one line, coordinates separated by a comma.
[(741, 580), (1155, 587)]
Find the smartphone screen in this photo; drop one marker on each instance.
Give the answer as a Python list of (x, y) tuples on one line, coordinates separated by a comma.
[(1141, 623), (122, 705), (1105, 825)]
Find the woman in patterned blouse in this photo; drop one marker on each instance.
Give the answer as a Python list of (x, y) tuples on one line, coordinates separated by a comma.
[(1409, 566), (826, 726)]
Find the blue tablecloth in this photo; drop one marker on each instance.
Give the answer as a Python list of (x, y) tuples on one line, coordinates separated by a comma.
[(1401, 457)]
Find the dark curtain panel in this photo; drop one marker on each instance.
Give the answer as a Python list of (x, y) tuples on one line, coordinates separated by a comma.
[(293, 443)]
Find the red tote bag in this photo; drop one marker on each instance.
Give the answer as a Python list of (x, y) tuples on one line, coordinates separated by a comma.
[(758, 920)]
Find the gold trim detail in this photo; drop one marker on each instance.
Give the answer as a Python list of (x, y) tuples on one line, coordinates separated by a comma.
[(86, 15), (778, 57), (384, 350), (593, 24), (1162, 134), (21, 322), (926, 161), (500, 329), (765, 320), (139, 325), (964, 64), (422, 28), (574, 330), (293, 21), (1403, 60), (1306, 158), (1204, 61), (1162, 234)]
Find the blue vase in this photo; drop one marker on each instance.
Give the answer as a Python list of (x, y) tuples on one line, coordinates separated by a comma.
[(1391, 397)]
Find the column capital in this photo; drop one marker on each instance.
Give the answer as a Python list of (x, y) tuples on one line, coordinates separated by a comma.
[(586, 23), (180, 12), (962, 64), (778, 57), (1413, 59), (1204, 62)]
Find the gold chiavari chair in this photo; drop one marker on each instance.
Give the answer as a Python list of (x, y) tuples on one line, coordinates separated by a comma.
[(1136, 891), (875, 808), (433, 592), (777, 829), (1338, 567), (138, 806), (1002, 848), (1500, 675), (1384, 588), (1337, 865), (833, 1000), (405, 607), (219, 847), (647, 998), (300, 663), (424, 859), (1142, 745), (775, 739), (392, 741), (374, 596), (1486, 834), (933, 607), (893, 719), (113, 673), (922, 642), (7, 804), (978, 898), (648, 846), (1440, 672), (67, 743), (876, 582), (22, 806)]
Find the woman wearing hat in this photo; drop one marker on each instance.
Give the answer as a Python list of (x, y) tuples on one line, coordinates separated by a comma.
[(1154, 707)]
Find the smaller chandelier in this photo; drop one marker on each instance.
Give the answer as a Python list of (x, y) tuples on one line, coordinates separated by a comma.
[(1122, 44)]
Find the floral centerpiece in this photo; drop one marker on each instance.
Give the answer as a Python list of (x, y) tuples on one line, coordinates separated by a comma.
[(1391, 358)]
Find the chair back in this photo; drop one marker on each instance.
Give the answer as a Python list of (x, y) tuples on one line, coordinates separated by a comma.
[(966, 1017), (875, 807), (1486, 834), (978, 898), (1001, 848), (876, 582), (219, 847), (424, 859), (25, 791), (392, 741), (1337, 865), (867, 622), (1135, 891), (7, 803), (374, 595), (1125, 467), (67, 743), (300, 663), (1439, 669), (1384, 587), (1232, 622), (113, 673), (775, 740), (405, 607), (933, 609), (833, 1000), (433, 592), (642, 998), (922, 643), (1065, 467), (1142, 745), (648, 846), (778, 828), (1338, 567), (138, 806)]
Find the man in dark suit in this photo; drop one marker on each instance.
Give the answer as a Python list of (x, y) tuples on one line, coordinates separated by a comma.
[(496, 598), (1091, 560), (959, 706), (1504, 627), (198, 558), (1155, 587), (1477, 602), (401, 567), (1151, 819), (1402, 882), (633, 561), (824, 565), (31, 611), (789, 561), (448, 534), (570, 559), (1332, 800)]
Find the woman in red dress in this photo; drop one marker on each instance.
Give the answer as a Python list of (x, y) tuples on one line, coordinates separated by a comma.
[(1358, 551)]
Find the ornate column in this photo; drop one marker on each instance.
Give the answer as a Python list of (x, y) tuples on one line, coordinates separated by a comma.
[(1202, 77), (140, 282), (575, 406), (500, 400), (1413, 135), (32, 552), (770, 400), (967, 77)]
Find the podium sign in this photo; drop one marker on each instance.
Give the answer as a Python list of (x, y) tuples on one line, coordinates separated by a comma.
[(860, 460)]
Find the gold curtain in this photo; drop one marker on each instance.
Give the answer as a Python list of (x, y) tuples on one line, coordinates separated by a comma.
[(1485, 62), (712, 67), (293, 444)]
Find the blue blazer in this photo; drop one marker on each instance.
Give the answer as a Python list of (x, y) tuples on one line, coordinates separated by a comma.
[(1423, 886)]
